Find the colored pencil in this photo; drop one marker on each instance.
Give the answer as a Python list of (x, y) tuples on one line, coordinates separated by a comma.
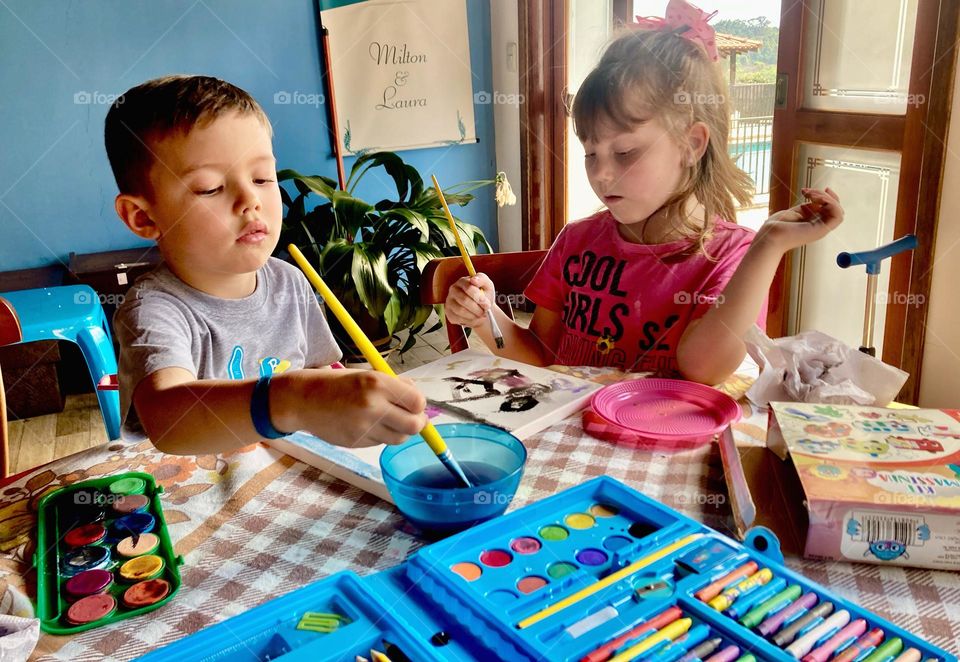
[(668, 633), (609, 580), (604, 652)]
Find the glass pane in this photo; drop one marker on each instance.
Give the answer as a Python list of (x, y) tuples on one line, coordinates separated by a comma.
[(856, 55), (747, 41), (866, 181)]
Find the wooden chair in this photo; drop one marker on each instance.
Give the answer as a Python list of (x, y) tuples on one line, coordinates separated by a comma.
[(10, 333), (510, 273)]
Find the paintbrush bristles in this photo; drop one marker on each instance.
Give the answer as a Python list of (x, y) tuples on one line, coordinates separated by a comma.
[(495, 329)]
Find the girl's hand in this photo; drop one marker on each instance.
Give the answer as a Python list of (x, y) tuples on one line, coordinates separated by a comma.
[(806, 223), (469, 300)]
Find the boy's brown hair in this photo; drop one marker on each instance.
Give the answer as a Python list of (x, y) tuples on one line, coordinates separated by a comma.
[(644, 74), (155, 109)]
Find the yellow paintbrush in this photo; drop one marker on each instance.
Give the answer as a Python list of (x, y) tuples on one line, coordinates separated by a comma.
[(494, 327), (429, 433)]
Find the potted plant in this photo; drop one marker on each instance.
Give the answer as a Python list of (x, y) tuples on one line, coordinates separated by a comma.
[(372, 255)]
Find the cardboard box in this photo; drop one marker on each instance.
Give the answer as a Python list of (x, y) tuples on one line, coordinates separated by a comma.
[(844, 482)]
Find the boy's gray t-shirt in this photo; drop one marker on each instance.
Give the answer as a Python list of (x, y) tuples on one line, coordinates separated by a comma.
[(165, 323)]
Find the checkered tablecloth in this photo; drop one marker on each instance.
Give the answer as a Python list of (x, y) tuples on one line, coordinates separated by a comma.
[(255, 525)]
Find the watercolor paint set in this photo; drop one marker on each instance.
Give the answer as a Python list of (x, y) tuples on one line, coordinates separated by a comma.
[(598, 572), (103, 553)]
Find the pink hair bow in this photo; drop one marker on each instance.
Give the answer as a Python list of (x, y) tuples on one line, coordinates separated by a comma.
[(686, 20)]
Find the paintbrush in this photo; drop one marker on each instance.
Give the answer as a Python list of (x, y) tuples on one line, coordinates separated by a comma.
[(429, 433), (494, 327)]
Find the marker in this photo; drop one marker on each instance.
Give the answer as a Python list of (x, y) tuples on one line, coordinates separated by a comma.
[(609, 580), (681, 645), (728, 654), (714, 589), (773, 623), (725, 599), (805, 643), (655, 623), (702, 650), (909, 655), (669, 633), (885, 650), (817, 614), (753, 617), (860, 646), (845, 636), (745, 603)]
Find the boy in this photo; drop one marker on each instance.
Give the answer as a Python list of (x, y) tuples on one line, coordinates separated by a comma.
[(223, 345)]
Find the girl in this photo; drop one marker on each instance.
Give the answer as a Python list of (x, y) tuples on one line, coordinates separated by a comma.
[(661, 280)]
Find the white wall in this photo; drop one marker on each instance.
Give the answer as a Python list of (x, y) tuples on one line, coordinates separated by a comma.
[(940, 375), (505, 50)]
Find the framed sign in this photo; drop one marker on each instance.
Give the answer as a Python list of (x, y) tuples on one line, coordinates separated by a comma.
[(402, 74)]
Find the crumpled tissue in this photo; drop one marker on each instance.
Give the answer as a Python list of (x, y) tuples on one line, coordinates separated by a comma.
[(815, 367)]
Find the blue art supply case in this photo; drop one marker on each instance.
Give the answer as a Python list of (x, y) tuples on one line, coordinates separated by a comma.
[(593, 531)]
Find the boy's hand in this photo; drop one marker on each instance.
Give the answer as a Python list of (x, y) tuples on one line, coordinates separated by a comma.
[(469, 300), (353, 408), (804, 223)]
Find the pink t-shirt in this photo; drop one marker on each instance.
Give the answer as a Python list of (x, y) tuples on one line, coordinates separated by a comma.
[(626, 305)]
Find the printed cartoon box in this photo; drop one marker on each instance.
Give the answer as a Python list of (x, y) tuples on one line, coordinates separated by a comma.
[(879, 485)]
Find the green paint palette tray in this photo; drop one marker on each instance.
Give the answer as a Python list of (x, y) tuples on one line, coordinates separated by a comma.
[(103, 553)]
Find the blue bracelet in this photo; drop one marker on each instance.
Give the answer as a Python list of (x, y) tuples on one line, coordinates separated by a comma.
[(260, 410)]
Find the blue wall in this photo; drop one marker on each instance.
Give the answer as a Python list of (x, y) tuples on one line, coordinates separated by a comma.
[(56, 188)]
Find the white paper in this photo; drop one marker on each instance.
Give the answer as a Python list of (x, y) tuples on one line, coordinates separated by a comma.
[(815, 367)]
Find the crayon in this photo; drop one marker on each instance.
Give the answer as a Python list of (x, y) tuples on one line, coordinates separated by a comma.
[(714, 589), (753, 617), (655, 623), (847, 635), (886, 649), (909, 655), (745, 603), (860, 646), (725, 599), (806, 642), (749, 657), (773, 623), (728, 654), (681, 645), (701, 651), (787, 634), (666, 634)]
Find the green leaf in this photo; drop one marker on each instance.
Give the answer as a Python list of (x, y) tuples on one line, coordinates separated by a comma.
[(314, 183), (369, 275), (392, 313)]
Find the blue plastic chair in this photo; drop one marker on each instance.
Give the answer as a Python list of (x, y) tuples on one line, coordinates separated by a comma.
[(74, 313)]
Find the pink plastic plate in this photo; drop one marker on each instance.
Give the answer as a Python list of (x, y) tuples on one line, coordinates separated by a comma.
[(653, 412)]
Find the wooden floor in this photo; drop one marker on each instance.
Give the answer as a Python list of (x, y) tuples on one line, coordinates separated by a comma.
[(38, 440), (42, 439)]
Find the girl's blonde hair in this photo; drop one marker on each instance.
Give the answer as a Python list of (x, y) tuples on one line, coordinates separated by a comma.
[(645, 74)]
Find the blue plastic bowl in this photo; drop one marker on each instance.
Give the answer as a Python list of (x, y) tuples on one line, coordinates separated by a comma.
[(481, 451)]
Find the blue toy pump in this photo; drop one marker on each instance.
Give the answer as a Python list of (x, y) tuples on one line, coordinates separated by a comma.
[(872, 260)]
